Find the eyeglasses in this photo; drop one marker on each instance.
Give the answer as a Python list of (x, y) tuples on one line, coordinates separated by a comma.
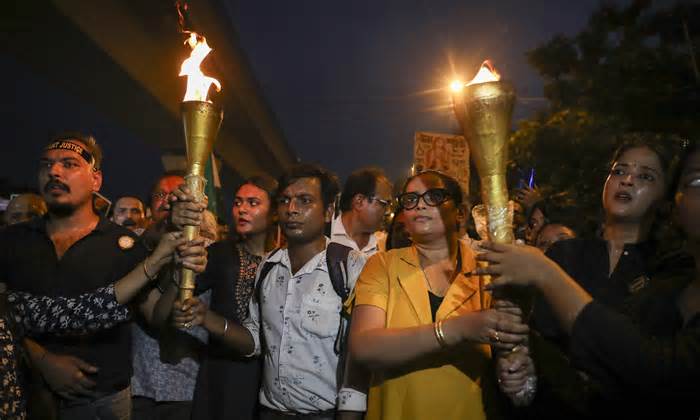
[(159, 195), (384, 203), (433, 197)]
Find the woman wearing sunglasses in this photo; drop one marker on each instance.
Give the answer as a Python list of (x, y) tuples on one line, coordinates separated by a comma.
[(420, 322)]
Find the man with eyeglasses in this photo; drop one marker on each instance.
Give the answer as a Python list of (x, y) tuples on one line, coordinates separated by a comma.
[(365, 200), (165, 362)]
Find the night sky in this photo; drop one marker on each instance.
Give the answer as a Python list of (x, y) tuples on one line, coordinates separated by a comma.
[(350, 82)]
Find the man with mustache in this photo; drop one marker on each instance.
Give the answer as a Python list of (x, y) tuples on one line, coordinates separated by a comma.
[(128, 212), (71, 251), (294, 315)]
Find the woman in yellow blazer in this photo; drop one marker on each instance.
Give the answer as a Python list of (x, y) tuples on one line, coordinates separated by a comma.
[(420, 321)]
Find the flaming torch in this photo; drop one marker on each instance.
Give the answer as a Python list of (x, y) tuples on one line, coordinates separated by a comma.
[(201, 120), (484, 107)]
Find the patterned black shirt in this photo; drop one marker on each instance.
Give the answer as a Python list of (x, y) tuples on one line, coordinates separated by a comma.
[(42, 314), (28, 263)]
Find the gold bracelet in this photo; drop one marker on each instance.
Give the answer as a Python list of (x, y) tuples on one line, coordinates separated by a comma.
[(145, 271), (225, 327), (441, 333)]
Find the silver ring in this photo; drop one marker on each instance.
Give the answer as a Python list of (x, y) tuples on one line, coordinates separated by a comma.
[(187, 325), (495, 336)]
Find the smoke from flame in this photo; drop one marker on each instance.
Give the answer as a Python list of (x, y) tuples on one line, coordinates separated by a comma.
[(487, 73), (197, 83)]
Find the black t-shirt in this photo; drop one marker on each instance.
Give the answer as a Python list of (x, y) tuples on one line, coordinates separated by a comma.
[(570, 386), (655, 355), (28, 262), (435, 302), (588, 263)]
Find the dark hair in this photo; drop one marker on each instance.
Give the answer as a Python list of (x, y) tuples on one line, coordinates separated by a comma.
[(265, 183), (551, 210), (363, 181), (689, 148), (329, 182), (548, 224), (660, 144), (88, 140), (451, 185), (390, 239)]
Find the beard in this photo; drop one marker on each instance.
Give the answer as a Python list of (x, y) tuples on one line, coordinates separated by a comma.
[(60, 209)]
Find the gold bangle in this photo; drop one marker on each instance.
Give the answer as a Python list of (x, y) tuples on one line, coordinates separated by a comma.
[(439, 334), (145, 271), (225, 327)]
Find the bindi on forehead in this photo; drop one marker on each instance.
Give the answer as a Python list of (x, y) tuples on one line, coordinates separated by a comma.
[(641, 156), (639, 166)]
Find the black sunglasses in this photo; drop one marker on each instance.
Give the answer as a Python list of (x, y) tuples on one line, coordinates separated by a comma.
[(432, 197)]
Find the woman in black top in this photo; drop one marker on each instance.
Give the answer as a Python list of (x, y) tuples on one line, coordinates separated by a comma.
[(653, 351), (227, 384), (612, 269)]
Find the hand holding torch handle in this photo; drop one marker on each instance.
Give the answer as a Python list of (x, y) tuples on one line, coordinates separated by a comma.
[(201, 121)]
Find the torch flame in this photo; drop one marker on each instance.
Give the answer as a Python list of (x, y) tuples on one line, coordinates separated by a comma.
[(486, 74), (197, 83)]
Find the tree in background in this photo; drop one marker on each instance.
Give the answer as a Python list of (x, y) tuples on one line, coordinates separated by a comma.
[(632, 68)]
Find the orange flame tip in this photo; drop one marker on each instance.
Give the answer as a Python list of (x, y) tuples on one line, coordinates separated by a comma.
[(487, 73), (197, 83)]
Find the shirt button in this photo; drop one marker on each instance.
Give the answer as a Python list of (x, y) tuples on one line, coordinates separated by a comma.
[(625, 253)]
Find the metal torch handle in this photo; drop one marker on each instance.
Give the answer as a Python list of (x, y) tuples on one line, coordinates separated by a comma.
[(196, 185), (187, 284)]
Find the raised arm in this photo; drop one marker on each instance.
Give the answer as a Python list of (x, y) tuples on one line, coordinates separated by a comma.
[(522, 265)]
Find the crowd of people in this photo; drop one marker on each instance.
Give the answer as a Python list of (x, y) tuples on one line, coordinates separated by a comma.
[(361, 300)]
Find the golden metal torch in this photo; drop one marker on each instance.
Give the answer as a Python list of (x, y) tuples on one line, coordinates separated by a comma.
[(484, 107), (201, 120)]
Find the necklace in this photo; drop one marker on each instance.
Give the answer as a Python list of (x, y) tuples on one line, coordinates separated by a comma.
[(430, 287)]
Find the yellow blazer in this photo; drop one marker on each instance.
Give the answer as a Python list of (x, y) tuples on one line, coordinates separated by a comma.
[(443, 385)]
